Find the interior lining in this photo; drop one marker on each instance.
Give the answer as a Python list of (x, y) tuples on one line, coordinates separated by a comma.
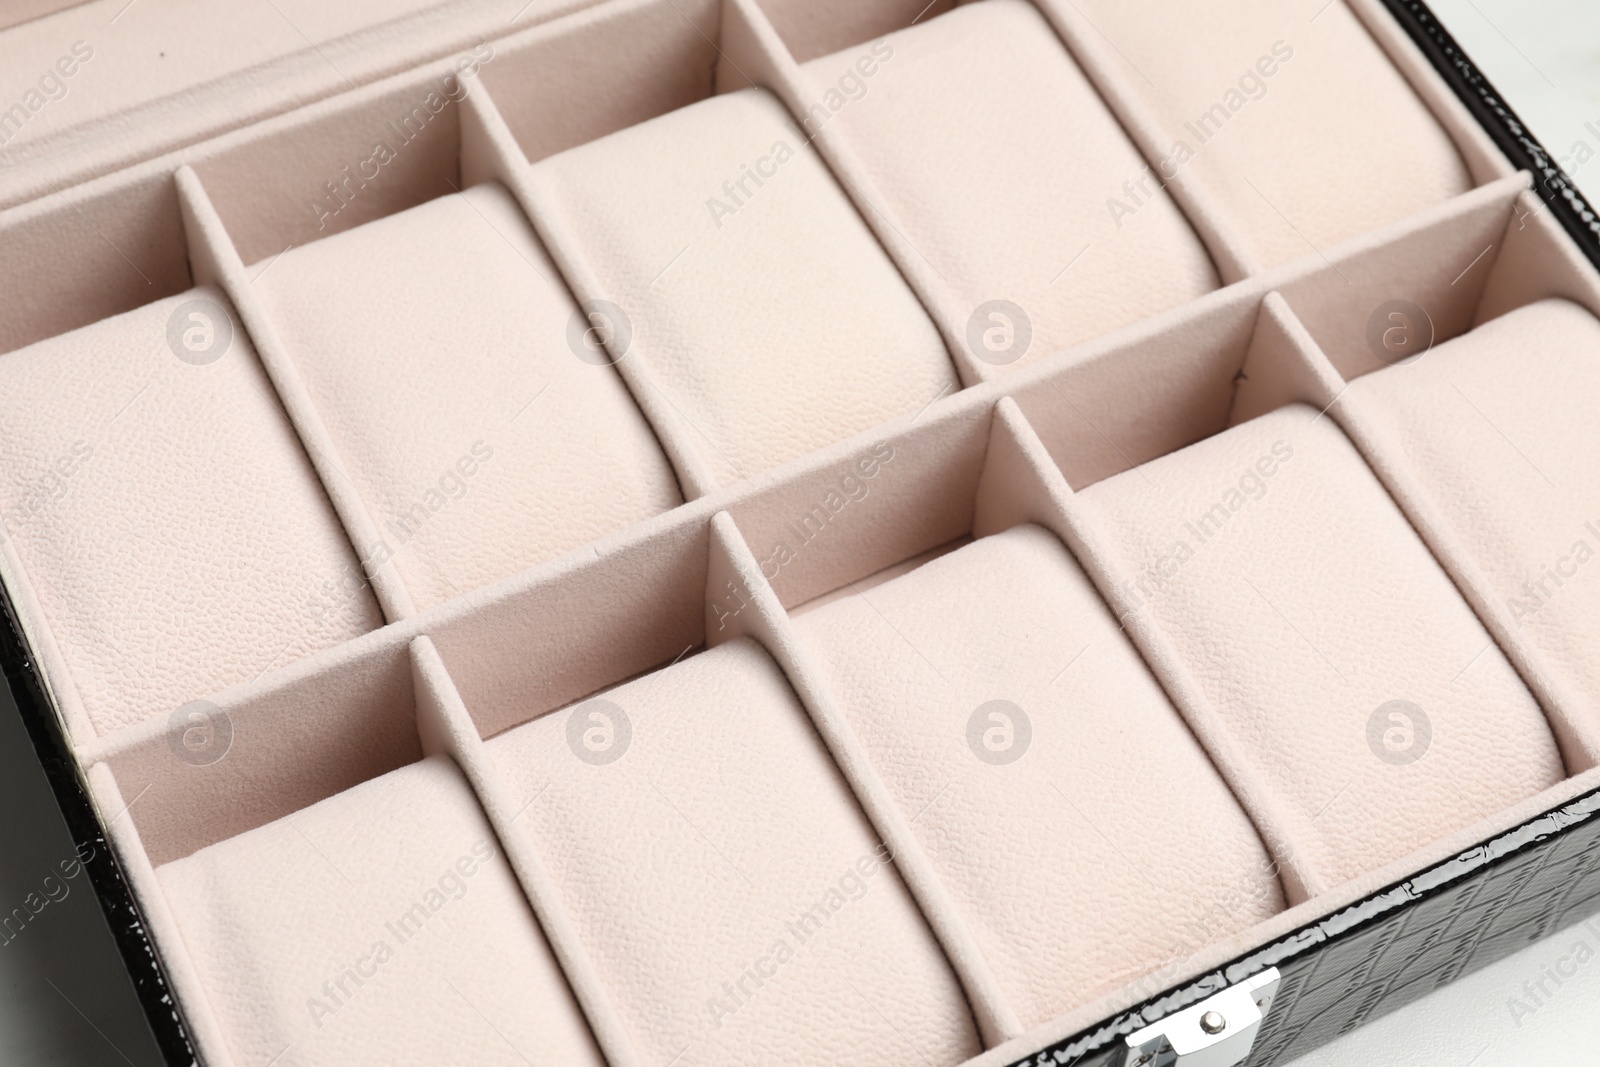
[(745, 557)]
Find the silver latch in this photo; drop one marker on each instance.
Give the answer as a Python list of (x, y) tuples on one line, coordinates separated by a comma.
[(1217, 1032)]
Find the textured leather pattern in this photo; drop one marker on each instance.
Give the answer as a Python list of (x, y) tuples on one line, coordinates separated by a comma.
[(1304, 604), (434, 344), (733, 896), (757, 296), (1110, 848), (1396, 946), (1499, 425), (1430, 938), (121, 469), (1293, 117), (996, 157), (381, 925)]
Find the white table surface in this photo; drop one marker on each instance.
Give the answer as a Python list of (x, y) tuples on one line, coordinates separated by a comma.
[(1544, 58)]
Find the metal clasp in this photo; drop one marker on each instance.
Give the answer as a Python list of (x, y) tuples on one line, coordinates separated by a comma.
[(1217, 1032)]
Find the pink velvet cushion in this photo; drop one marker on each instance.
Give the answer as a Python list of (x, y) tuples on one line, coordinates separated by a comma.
[(1328, 639), (434, 344), (1291, 114), (165, 513), (733, 896), (1499, 425), (381, 925), (1081, 829)]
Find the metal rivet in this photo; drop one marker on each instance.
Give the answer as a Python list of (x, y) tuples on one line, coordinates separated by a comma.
[(1213, 1023)]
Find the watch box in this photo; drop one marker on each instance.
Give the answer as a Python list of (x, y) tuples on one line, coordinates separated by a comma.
[(706, 531)]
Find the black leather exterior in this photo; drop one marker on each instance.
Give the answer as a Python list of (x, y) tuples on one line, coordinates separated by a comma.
[(1396, 946), (110, 887)]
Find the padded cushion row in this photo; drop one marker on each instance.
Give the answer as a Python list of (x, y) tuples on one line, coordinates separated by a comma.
[(164, 512), (434, 345), (1327, 638)]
